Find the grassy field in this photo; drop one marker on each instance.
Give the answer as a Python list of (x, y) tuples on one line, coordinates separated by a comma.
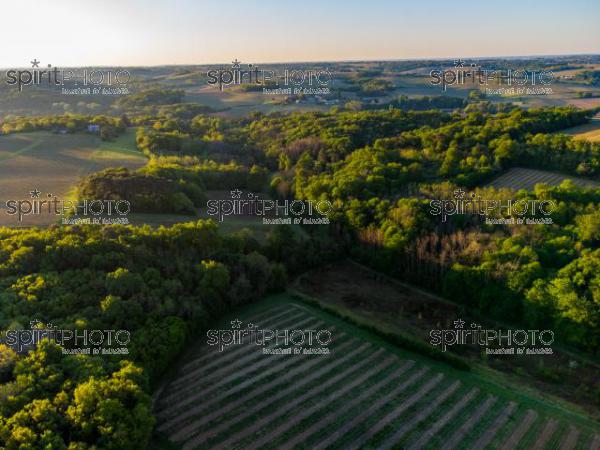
[(520, 178), (365, 393), (229, 224), (54, 163)]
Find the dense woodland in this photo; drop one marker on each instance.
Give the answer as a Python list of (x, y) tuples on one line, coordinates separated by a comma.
[(163, 286), (380, 168)]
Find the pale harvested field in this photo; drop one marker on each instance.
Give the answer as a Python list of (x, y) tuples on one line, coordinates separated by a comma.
[(589, 131)]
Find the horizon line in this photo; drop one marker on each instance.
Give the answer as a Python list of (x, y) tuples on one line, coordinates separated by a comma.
[(338, 61)]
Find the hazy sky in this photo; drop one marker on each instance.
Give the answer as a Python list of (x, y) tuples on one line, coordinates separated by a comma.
[(153, 32)]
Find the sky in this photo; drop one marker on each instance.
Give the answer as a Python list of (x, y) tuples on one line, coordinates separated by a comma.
[(157, 32)]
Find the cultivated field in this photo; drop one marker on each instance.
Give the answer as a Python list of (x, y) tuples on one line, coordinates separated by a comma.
[(364, 394), (54, 163), (519, 178), (236, 103)]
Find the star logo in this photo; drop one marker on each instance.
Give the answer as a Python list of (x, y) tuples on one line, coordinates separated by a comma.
[(34, 63), (235, 63), (236, 323), (33, 323), (459, 193), (459, 63), (236, 193), (35, 193), (459, 323)]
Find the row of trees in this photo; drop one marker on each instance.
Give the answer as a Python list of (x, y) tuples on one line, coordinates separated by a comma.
[(110, 127)]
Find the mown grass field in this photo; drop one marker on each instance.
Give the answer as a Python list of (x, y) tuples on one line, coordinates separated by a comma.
[(54, 163), (365, 394), (520, 178), (229, 224)]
